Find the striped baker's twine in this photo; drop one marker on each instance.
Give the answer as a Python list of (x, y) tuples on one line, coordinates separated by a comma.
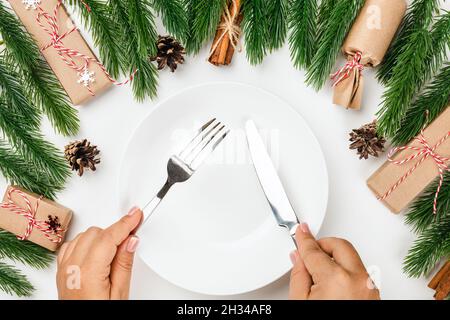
[(345, 71), (68, 55), (423, 152), (29, 213)]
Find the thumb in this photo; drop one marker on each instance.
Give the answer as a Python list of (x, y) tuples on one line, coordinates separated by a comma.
[(121, 268)]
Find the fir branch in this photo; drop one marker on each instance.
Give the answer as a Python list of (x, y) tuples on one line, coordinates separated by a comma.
[(421, 216), (24, 252), (277, 15), (42, 85), (435, 98), (302, 39), (32, 145), (339, 23), (46, 90), (419, 16), (104, 33), (323, 16), (17, 171), (12, 92), (255, 26), (142, 20), (418, 60), (145, 80), (204, 17), (174, 17), (431, 246), (12, 281)]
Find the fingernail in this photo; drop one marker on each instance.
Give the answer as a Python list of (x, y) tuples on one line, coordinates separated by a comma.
[(294, 257), (132, 244), (133, 210), (305, 228)]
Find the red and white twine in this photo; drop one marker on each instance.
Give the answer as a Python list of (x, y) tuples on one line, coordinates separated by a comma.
[(54, 235), (423, 152), (70, 55), (345, 71)]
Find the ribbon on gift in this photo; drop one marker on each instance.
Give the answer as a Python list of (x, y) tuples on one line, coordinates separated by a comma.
[(423, 152), (69, 55), (53, 234), (346, 70)]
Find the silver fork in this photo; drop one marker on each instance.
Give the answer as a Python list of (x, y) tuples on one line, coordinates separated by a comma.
[(182, 166)]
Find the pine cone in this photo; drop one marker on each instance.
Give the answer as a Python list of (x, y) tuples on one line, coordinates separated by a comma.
[(367, 141), (170, 53), (81, 154)]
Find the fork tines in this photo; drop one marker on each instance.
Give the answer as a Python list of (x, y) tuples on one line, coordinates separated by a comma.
[(208, 137)]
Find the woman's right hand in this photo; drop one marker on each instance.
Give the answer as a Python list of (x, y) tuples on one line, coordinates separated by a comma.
[(328, 268)]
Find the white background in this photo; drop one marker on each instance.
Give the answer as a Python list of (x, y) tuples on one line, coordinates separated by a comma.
[(381, 237)]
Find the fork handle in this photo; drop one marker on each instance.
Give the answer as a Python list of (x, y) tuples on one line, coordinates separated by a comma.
[(150, 207)]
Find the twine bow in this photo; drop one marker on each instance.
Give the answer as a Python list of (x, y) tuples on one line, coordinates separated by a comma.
[(70, 55), (230, 28), (52, 234), (345, 71), (423, 152)]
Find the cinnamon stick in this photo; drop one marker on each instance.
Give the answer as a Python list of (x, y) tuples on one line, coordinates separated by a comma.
[(231, 49), (443, 289), (223, 48), (439, 276)]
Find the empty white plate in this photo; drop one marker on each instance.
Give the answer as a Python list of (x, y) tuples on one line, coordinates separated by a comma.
[(215, 234)]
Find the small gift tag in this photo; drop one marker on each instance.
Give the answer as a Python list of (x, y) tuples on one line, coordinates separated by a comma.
[(34, 218)]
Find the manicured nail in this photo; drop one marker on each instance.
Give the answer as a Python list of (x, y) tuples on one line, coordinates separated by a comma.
[(132, 244), (133, 210), (305, 228), (294, 257)]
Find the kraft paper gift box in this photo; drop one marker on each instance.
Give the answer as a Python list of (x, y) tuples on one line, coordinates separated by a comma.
[(389, 174), (53, 219), (68, 77), (370, 35)]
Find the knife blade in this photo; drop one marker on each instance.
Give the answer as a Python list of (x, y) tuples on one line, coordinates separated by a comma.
[(270, 181)]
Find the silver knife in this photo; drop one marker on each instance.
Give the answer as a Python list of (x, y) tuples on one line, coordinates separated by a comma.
[(270, 181)]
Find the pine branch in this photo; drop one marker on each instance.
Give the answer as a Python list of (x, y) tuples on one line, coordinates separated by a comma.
[(421, 216), (416, 63), (46, 90), (31, 144), (12, 92), (204, 17), (435, 98), (323, 16), (43, 87), (17, 171), (431, 246), (24, 252), (255, 26), (174, 17), (302, 39), (145, 80), (12, 281), (277, 15), (142, 19), (419, 16), (339, 23), (104, 33)]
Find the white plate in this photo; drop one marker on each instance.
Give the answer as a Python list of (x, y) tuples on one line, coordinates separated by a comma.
[(215, 234)]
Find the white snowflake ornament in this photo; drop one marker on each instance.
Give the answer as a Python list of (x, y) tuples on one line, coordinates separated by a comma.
[(31, 4), (86, 77)]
